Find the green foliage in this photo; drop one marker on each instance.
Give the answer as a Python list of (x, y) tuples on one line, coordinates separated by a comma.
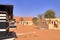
[(35, 20), (49, 14)]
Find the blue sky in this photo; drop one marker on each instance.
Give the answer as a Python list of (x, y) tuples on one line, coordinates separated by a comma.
[(33, 7)]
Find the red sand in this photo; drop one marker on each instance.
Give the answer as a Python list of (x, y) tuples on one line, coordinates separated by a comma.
[(37, 35)]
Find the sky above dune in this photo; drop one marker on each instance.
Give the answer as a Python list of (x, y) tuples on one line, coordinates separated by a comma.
[(33, 7)]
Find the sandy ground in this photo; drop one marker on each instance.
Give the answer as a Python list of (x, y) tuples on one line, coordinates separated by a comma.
[(31, 33)]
